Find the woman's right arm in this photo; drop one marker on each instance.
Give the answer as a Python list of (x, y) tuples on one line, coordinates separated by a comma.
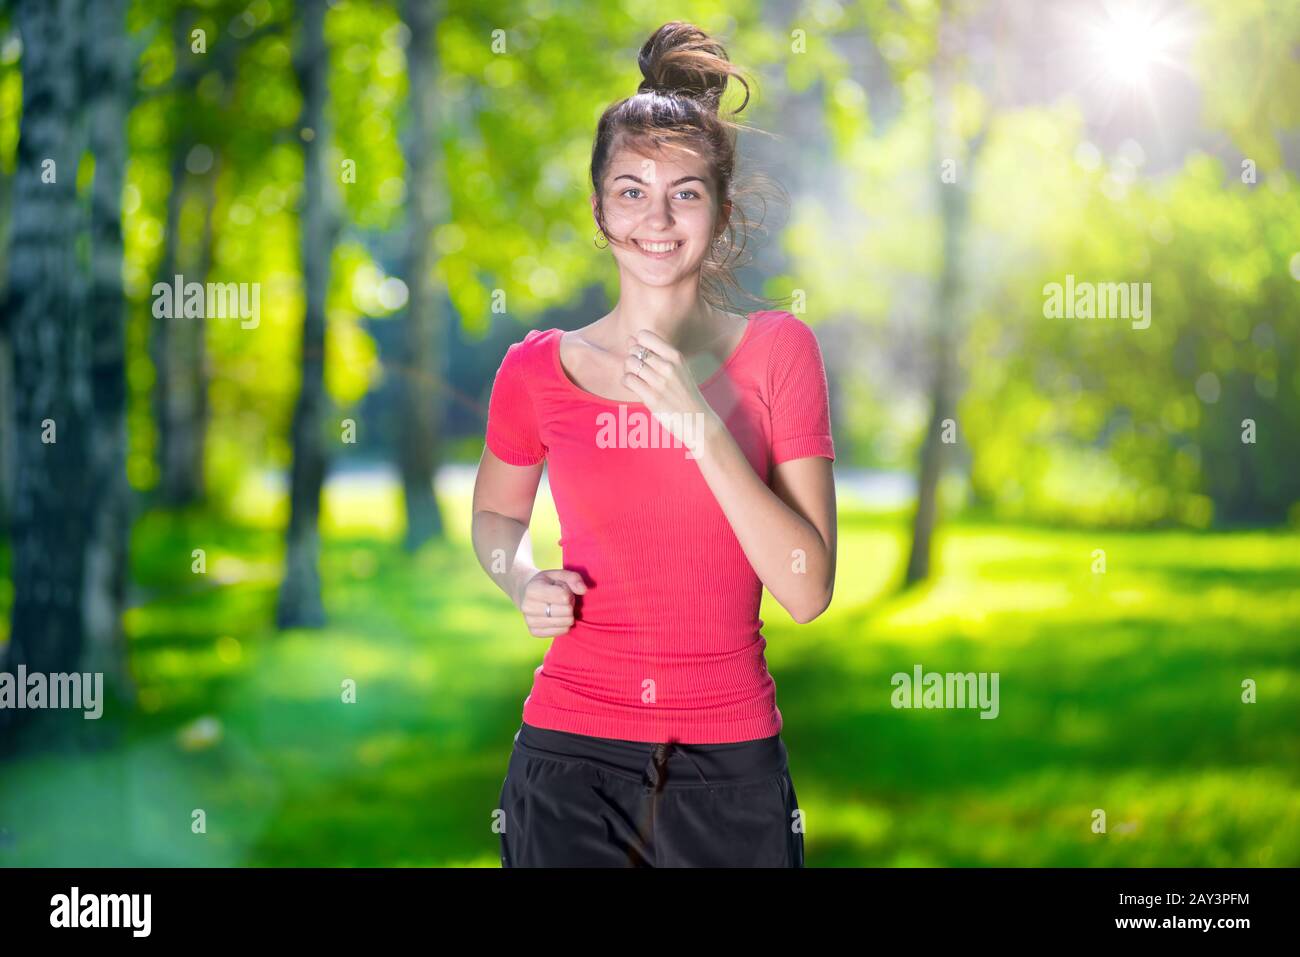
[(503, 507)]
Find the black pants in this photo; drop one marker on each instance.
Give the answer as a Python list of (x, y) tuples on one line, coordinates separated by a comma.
[(572, 800)]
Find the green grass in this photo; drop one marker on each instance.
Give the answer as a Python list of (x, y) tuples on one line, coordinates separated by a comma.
[(1118, 691)]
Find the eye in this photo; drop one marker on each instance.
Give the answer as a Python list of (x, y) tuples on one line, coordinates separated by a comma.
[(631, 189), (690, 192)]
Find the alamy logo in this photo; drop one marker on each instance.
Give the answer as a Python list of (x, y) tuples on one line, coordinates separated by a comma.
[(215, 300), (102, 910), (641, 430), (58, 690), (1107, 300), (937, 689)]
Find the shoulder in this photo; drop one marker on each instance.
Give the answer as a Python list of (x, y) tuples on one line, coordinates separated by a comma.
[(791, 357), (788, 337), (534, 341), (779, 323), (526, 353)]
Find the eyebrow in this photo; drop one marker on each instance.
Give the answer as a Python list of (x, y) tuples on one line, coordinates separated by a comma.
[(676, 182)]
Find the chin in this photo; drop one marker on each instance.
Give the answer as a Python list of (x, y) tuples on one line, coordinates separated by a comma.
[(663, 278), (666, 275)]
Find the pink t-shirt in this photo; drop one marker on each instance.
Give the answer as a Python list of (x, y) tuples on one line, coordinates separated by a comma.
[(666, 643)]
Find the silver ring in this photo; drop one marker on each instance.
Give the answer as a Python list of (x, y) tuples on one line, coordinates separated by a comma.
[(548, 609), (641, 366), (642, 354)]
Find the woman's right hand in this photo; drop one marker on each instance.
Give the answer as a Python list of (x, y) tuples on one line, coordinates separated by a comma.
[(556, 586)]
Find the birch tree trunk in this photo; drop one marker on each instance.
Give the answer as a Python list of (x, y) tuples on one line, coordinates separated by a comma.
[(300, 595), (946, 332), (177, 344), (51, 425), (108, 81), (953, 206), (6, 361), (423, 370)]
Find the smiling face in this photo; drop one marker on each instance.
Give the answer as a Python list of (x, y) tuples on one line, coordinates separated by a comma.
[(661, 213)]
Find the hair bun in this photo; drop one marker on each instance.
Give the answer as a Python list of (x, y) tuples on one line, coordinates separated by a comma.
[(680, 58)]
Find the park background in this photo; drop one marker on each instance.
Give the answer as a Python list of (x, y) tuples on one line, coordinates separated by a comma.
[(235, 519)]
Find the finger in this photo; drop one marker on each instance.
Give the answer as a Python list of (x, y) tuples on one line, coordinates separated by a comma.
[(635, 347), (571, 578), (657, 344), (653, 359), (552, 590), (559, 621), (559, 610), (639, 387), (559, 605), (634, 362), (655, 369)]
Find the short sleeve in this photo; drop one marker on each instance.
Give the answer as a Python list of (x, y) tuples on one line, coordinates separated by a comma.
[(798, 393), (512, 429)]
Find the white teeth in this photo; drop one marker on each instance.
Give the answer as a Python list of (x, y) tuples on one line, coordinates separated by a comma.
[(658, 247)]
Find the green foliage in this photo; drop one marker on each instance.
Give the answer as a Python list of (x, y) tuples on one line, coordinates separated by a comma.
[(368, 88), (1095, 421), (1246, 54), (1082, 421)]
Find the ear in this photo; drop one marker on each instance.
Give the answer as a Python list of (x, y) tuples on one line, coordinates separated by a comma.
[(724, 217), (593, 210)]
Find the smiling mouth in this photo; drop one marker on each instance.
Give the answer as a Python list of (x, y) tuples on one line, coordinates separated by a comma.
[(660, 248)]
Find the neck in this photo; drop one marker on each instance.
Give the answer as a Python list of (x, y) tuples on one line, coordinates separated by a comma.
[(676, 314)]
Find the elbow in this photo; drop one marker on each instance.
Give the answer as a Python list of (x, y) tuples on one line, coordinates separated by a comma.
[(807, 613)]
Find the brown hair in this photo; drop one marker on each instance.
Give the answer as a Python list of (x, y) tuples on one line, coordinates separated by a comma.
[(677, 106)]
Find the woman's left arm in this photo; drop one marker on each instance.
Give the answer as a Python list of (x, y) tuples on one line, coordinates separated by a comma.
[(787, 531)]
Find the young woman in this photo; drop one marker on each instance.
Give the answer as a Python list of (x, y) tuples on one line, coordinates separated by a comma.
[(690, 463)]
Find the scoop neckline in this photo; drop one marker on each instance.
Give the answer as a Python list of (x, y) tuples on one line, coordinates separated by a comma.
[(606, 400)]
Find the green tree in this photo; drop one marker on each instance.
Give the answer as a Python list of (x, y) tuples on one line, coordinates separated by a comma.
[(300, 602)]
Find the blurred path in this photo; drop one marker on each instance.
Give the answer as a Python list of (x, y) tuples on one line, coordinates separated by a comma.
[(861, 488)]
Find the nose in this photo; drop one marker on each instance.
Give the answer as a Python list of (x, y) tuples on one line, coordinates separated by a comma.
[(660, 214)]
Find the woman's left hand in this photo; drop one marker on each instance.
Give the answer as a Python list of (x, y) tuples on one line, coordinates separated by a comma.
[(668, 389)]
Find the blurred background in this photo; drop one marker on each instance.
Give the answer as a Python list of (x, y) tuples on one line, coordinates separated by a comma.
[(250, 510)]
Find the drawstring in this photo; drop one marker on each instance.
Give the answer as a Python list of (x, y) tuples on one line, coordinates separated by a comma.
[(659, 761), (655, 771)]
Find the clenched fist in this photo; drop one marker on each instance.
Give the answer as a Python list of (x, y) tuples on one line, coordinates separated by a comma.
[(555, 587)]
